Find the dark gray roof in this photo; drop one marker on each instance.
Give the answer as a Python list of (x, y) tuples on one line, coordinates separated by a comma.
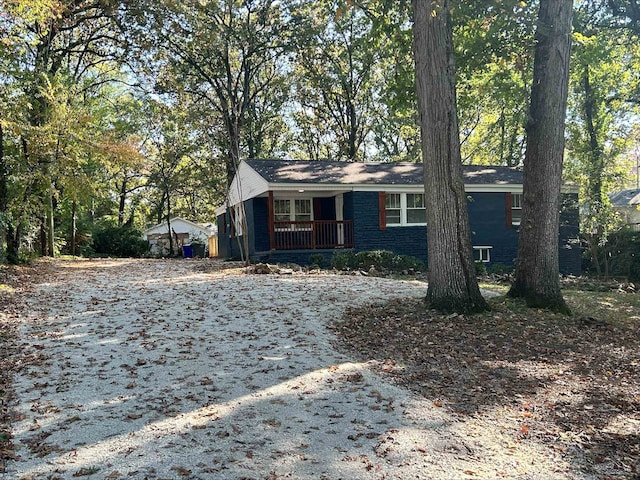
[(625, 197), (351, 173)]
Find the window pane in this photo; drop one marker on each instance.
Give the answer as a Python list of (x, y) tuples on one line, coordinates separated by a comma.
[(393, 216), (281, 206), (415, 200), (416, 215), (392, 201), (302, 210), (516, 200), (281, 209), (516, 216), (303, 207)]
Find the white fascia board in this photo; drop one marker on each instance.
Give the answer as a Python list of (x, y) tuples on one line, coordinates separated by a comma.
[(324, 187), (309, 187)]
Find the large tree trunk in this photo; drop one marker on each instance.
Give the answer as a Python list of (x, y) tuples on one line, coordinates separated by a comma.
[(537, 269), (7, 229), (452, 280)]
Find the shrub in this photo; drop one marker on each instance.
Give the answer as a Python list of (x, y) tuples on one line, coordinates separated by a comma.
[(381, 260), (620, 256), (317, 260), (499, 269), (481, 268), (344, 260), (120, 242)]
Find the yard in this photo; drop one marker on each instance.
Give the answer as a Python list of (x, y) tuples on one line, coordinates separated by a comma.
[(194, 369)]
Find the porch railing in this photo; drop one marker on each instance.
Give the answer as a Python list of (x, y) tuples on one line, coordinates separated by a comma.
[(308, 235)]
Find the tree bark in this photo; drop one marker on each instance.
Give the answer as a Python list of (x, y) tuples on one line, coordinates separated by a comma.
[(123, 201), (74, 229), (537, 268), (452, 280), (171, 245)]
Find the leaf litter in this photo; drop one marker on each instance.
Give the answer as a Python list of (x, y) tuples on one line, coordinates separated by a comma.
[(194, 369), (528, 378)]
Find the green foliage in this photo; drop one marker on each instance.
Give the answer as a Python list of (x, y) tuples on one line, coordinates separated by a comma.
[(499, 269), (119, 241), (620, 255), (317, 259), (481, 268), (344, 260), (380, 260)]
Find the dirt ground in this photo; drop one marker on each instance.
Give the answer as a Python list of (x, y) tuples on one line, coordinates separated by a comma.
[(310, 376), (569, 384)]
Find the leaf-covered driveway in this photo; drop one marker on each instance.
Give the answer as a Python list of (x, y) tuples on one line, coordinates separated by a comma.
[(172, 369)]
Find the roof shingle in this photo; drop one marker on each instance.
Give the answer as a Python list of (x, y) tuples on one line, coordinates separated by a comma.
[(352, 173)]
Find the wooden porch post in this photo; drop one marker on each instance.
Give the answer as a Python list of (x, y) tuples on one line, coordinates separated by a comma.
[(270, 215)]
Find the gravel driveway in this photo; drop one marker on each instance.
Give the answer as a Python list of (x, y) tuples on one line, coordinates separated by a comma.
[(168, 369)]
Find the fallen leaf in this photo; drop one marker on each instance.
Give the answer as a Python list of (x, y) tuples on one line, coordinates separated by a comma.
[(184, 472)]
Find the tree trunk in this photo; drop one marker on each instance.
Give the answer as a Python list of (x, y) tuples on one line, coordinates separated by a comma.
[(537, 268), (74, 215), (50, 220), (171, 245), (7, 228), (4, 192), (452, 280), (123, 201)]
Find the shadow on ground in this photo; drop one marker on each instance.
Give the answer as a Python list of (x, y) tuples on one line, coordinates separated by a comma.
[(571, 383)]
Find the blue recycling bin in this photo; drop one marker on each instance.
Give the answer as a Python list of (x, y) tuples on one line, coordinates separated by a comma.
[(187, 251)]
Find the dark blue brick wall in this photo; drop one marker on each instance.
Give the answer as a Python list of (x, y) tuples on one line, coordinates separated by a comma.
[(261, 224), (570, 247), (368, 235), (488, 223), (300, 257)]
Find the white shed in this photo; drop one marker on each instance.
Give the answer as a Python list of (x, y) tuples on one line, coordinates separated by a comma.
[(184, 232)]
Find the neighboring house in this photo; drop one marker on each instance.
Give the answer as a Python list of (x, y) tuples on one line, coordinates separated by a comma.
[(293, 209), (626, 204), (184, 232)]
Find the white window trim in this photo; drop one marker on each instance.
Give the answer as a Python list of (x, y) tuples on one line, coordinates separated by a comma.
[(403, 210), (516, 222), (481, 249)]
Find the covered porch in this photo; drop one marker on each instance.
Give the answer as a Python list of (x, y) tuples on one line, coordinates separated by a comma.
[(304, 222)]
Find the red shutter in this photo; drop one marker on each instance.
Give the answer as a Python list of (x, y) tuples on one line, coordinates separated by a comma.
[(382, 210), (507, 209)]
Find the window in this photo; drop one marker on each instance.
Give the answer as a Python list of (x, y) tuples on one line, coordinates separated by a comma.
[(302, 212), (393, 208), (416, 212), (482, 254), (402, 209), (292, 210), (516, 208), (281, 210)]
